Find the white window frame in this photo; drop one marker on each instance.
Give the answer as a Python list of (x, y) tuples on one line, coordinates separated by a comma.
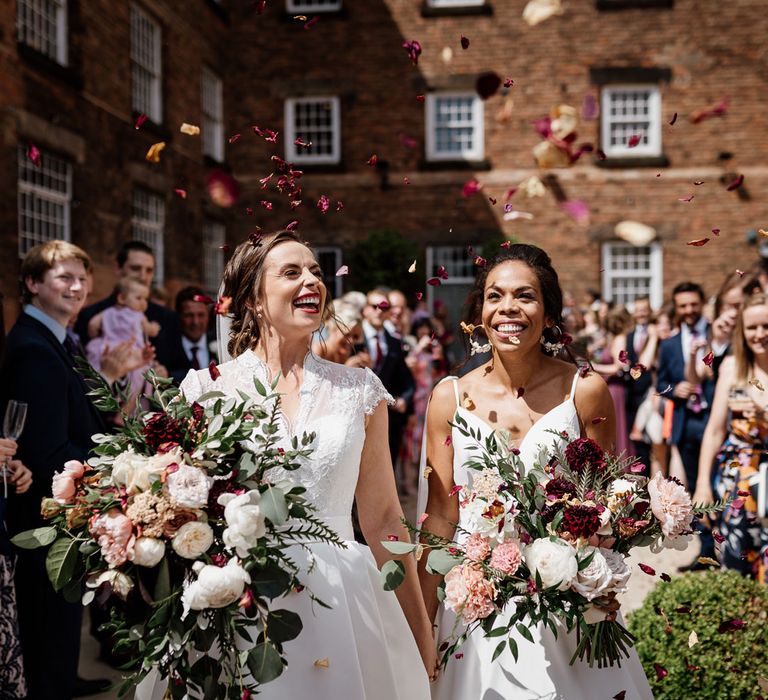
[(455, 3), (212, 108), (214, 237), (477, 123), (445, 255), (655, 274), (653, 147), (46, 208), (338, 282), (310, 6), (34, 31), (146, 64), (150, 229), (300, 154)]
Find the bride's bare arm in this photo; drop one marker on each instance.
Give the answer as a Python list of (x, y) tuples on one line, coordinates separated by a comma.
[(379, 512), (594, 405), (442, 508)]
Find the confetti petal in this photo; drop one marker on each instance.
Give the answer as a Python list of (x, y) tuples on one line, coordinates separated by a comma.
[(189, 129), (422, 518), (339, 205), (756, 383), (448, 441), (698, 242), (470, 188), (735, 184), (312, 22), (686, 199), (372, 160), (322, 663), (636, 371), (624, 357), (140, 121), (464, 43), (598, 419), (716, 231), (693, 639), (213, 370), (419, 296), (647, 569), (181, 193), (661, 672), (708, 561), (323, 204), (717, 110), (434, 282), (634, 140), (202, 298), (673, 120), (234, 138), (620, 695), (413, 48), (508, 82), (420, 98), (709, 358), (153, 154), (454, 490), (393, 538), (412, 268), (343, 270), (292, 226), (665, 577), (731, 625)]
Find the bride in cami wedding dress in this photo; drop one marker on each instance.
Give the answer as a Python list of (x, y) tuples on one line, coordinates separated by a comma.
[(370, 644), (524, 391)]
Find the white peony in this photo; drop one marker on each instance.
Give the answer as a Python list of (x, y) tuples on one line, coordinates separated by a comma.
[(494, 520), (619, 570), (137, 473), (596, 578), (147, 551), (245, 521), (120, 584), (189, 486), (215, 587), (192, 539), (619, 493), (555, 560)]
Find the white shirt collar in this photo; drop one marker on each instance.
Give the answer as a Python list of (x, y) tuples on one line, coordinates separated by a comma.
[(50, 323)]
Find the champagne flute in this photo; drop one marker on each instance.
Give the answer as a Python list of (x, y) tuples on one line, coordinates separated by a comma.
[(13, 424)]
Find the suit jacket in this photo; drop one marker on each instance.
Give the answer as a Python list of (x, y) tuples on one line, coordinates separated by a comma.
[(636, 388), (178, 373), (60, 417), (672, 372), (167, 342), (394, 373)]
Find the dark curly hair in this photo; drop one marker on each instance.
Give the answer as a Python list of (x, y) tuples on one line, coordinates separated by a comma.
[(541, 264), (243, 277)]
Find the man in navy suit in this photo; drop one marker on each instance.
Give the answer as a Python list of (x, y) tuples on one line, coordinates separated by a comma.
[(194, 319), (38, 369), (637, 389), (388, 359), (691, 401), (137, 261)]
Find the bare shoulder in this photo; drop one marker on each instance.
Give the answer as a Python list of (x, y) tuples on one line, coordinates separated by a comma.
[(442, 404), (591, 391), (728, 367), (470, 380)]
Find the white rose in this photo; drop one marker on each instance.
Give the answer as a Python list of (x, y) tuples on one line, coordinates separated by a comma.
[(137, 473), (478, 517), (620, 572), (245, 521), (595, 578), (147, 551), (192, 539), (120, 584), (189, 486), (555, 560), (619, 492), (215, 587)]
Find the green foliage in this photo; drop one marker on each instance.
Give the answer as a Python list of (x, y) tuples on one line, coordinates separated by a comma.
[(721, 665), (383, 259)]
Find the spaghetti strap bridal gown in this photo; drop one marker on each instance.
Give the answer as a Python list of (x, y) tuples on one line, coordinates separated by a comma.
[(362, 647), (542, 670)]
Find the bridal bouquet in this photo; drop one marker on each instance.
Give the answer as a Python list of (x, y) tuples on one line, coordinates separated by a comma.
[(177, 514), (550, 545)]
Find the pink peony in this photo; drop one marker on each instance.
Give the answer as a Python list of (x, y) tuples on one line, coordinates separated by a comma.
[(468, 593), (63, 487), (506, 557), (671, 505), (74, 468), (114, 533), (476, 547)]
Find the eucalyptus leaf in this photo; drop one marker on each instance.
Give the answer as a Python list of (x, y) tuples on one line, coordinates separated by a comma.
[(61, 560), (273, 505), (215, 425), (392, 574), (270, 581), (163, 583), (283, 626), (264, 663), (398, 547), (32, 539), (440, 561), (259, 387)]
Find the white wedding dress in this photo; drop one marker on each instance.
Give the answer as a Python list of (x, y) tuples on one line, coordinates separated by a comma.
[(361, 648), (542, 670)]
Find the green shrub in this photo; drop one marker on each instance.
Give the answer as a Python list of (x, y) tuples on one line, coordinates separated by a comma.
[(723, 664)]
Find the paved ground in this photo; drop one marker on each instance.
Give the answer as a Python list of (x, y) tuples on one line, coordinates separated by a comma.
[(639, 586)]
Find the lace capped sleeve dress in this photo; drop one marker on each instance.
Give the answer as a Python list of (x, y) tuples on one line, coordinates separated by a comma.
[(542, 670), (361, 647)]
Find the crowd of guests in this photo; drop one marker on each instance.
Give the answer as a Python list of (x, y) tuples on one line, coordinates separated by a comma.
[(687, 380)]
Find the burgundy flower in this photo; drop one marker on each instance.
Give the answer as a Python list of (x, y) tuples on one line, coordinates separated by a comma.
[(559, 488), (160, 429), (581, 520), (584, 451)]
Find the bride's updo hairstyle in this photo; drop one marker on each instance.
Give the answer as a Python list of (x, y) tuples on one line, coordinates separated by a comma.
[(551, 292), (243, 274)]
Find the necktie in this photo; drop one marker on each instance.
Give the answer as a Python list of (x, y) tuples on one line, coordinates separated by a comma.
[(379, 351), (73, 345), (641, 333), (194, 361)]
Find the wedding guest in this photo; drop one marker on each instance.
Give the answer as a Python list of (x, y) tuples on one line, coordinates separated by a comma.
[(136, 260), (736, 442), (388, 359), (194, 319), (13, 684), (342, 340), (399, 322), (39, 370)]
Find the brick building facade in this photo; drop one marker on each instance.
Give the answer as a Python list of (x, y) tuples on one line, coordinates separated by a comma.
[(345, 82)]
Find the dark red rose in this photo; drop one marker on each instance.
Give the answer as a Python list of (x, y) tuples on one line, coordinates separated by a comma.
[(559, 488), (581, 521), (160, 429), (582, 452)]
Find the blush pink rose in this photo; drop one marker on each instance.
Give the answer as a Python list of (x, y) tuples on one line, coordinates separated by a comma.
[(476, 547), (63, 487), (114, 533), (506, 557), (74, 468), (468, 593), (671, 505)]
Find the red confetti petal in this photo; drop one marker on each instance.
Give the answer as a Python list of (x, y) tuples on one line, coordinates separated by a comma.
[(735, 184), (471, 187), (292, 226), (434, 281), (459, 655), (419, 296), (598, 419), (266, 204), (301, 143), (683, 610), (448, 441), (508, 82), (203, 299), (698, 242), (717, 110), (213, 370), (372, 160), (686, 199), (140, 120), (420, 98), (413, 48), (464, 43), (743, 494), (624, 357), (249, 211), (33, 154), (339, 205), (454, 490), (634, 140), (665, 577), (673, 120), (716, 231), (600, 154), (181, 193), (234, 138), (312, 22), (492, 200), (708, 359), (661, 672), (731, 625), (647, 569), (393, 538), (422, 518), (323, 204), (480, 261), (718, 537)]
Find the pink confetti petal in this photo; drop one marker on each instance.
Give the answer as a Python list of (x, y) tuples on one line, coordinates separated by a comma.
[(448, 441), (140, 121), (454, 490), (339, 205), (33, 154), (716, 231), (624, 357), (323, 204), (413, 48), (598, 419), (343, 270), (661, 672), (422, 518), (311, 23), (698, 242), (470, 188), (181, 193), (508, 82), (234, 138)]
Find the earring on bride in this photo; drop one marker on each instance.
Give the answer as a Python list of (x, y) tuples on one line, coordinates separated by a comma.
[(555, 347), (475, 347)]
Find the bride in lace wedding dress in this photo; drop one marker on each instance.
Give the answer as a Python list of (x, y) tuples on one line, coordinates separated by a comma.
[(361, 647), (535, 398)]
